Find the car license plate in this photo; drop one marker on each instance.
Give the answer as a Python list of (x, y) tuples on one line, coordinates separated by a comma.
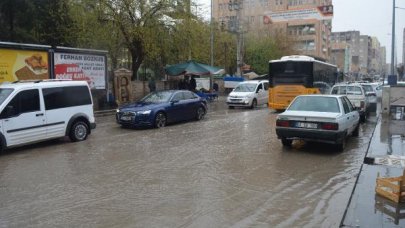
[(125, 118), (307, 125)]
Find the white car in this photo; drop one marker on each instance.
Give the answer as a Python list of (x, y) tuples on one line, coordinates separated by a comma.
[(370, 92), (319, 118), (249, 94), (377, 87), (33, 111), (357, 96)]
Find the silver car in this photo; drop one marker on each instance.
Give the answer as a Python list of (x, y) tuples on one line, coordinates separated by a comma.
[(319, 118)]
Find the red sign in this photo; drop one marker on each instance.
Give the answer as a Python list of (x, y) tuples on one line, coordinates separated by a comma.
[(70, 71)]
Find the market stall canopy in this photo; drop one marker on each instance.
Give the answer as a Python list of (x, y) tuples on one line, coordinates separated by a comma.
[(192, 68)]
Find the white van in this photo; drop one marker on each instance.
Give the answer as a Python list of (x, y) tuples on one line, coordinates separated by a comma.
[(33, 111), (249, 94)]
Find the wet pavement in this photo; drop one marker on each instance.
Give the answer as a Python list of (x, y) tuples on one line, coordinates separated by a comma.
[(366, 208), (228, 170)]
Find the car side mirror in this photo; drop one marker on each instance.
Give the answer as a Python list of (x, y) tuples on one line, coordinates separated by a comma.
[(174, 101)]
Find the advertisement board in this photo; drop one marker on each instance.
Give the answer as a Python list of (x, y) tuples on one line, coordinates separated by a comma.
[(318, 13), (23, 65), (88, 67), (202, 83)]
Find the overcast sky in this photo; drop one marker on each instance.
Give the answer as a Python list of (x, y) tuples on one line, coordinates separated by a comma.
[(370, 17)]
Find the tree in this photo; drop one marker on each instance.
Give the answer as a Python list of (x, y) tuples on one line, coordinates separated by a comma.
[(93, 30), (41, 21), (137, 21), (260, 50)]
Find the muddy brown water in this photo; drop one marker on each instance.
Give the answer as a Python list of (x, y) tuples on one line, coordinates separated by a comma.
[(228, 170)]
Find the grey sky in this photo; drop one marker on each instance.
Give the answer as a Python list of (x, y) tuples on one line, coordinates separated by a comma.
[(373, 18), (370, 17)]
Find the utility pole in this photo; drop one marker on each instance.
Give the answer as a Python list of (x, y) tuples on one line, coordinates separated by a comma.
[(212, 43), (212, 33), (237, 5), (393, 39), (188, 6)]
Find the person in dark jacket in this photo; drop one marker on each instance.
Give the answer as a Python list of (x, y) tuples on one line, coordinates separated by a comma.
[(152, 84), (193, 84)]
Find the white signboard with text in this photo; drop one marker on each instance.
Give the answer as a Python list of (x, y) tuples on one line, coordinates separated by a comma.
[(318, 13), (87, 67)]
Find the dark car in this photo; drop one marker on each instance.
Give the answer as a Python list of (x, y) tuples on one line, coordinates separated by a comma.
[(162, 107)]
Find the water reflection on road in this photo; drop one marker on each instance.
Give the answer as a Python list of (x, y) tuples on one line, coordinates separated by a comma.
[(227, 170)]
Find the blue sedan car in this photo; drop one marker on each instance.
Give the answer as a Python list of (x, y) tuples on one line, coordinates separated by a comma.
[(162, 107)]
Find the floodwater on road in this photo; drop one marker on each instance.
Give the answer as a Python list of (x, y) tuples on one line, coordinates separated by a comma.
[(228, 170)]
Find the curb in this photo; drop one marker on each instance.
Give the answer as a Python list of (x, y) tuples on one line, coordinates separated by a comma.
[(104, 112)]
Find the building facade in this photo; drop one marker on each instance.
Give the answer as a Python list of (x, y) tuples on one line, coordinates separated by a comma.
[(306, 22), (367, 58)]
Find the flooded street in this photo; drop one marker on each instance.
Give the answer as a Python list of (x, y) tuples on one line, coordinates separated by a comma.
[(228, 170)]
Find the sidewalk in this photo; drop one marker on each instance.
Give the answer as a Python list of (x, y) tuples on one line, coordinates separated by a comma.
[(366, 208)]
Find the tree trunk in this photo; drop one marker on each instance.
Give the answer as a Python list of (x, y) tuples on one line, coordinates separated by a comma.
[(138, 56)]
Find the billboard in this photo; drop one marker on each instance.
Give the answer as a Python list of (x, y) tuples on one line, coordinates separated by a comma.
[(88, 67), (318, 13), (23, 65)]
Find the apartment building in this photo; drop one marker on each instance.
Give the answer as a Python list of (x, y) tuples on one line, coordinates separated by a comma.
[(383, 61), (306, 22), (366, 56)]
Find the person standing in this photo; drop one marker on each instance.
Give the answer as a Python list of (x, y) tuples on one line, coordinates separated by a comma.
[(193, 84), (152, 84)]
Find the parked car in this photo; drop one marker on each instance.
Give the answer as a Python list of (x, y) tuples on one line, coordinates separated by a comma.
[(33, 111), (370, 92), (377, 87), (162, 107), (319, 118), (357, 96), (249, 94)]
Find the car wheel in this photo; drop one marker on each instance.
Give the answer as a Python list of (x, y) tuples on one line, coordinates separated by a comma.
[(231, 107), (200, 113), (356, 131), (79, 131), (342, 145), (160, 120), (286, 142), (254, 104)]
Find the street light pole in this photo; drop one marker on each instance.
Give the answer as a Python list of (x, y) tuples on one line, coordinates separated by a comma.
[(212, 44), (237, 5), (393, 39), (212, 34)]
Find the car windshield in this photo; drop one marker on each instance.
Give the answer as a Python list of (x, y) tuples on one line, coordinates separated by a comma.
[(368, 88), (4, 93), (315, 104), (245, 87), (157, 97)]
